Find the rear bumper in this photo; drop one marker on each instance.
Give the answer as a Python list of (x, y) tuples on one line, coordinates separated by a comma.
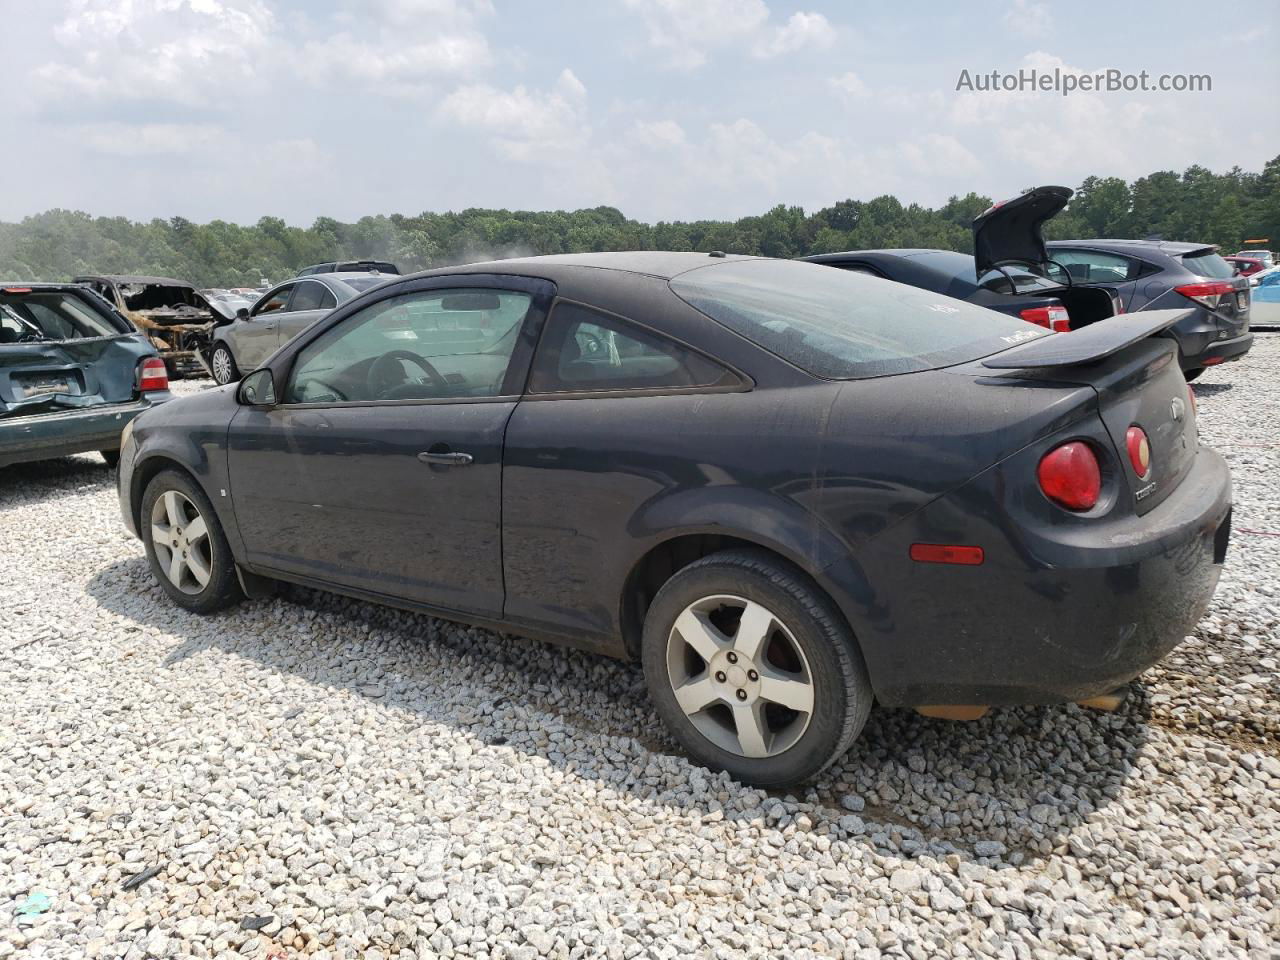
[(1220, 351), (1052, 615), (64, 432)]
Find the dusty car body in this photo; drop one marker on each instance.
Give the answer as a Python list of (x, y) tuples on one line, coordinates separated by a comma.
[(73, 373), (174, 316), (787, 489)]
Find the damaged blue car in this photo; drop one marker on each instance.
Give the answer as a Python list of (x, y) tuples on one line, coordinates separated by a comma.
[(73, 373)]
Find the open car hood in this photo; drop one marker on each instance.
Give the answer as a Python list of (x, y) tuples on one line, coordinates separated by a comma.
[(1010, 231)]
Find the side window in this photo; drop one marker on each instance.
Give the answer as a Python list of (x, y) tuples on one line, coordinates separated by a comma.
[(427, 345), (1094, 266), (275, 303), (328, 301), (860, 268), (582, 350), (308, 295)]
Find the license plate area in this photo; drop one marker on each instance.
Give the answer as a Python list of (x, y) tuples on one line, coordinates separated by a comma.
[(30, 385)]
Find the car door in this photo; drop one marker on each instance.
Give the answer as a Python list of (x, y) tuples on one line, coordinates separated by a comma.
[(311, 300), (380, 469), (257, 336), (611, 412)]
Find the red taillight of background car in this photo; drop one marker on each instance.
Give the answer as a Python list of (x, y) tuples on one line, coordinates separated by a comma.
[(1139, 447), (1191, 395), (1207, 293), (152, 375), (1054, 318), (1070, 476)]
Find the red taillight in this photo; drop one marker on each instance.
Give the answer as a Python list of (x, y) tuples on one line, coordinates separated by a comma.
[(1135, 440), (1054, 318), (1207, 293), (152, 375), (946, 553), (1070, 476), (1213, 361), (17, 289)]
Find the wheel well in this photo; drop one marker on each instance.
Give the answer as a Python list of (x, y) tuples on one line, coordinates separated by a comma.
[(657, 567), (143, 474)]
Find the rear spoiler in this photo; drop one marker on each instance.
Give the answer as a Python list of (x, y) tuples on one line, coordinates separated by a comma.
[(1089, 344)]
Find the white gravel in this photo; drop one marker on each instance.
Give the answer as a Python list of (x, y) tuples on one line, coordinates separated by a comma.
[(367, 783)]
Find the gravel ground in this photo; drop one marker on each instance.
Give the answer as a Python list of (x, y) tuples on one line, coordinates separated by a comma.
[(357, 782)]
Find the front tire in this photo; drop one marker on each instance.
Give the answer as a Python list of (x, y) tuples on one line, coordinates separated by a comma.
[(753, 670), (223, 365), (186, 547)]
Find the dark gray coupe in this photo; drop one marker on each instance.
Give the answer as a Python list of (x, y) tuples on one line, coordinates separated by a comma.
[(786, 489)]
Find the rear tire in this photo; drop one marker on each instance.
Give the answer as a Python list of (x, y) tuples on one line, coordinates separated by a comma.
[(223, 365), (112, 457), (772, 685), (1193, 374), (186, 547)]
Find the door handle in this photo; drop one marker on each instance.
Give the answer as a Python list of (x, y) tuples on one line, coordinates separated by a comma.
[(447, 459)]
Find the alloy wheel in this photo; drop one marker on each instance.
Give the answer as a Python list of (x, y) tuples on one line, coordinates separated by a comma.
[(221, 365), (180, 538), (740, 677)]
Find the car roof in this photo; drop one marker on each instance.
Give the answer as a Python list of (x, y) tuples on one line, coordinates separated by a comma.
[(651, 263), (1172, 247), (885, 251), (130, 278), (43, 284)]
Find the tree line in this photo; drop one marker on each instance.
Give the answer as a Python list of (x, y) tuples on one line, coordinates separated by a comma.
[(1196, 205)]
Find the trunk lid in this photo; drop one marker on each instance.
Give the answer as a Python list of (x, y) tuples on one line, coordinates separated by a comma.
[(1139, 383), (1011, 231)]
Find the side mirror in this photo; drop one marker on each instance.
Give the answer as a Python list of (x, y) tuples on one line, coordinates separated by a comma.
[(258, 389), (242, 313)]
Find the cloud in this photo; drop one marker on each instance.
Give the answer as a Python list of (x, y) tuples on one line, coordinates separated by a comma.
[(176, 51), (688, 31), (657, 133), (849, 86), (394, 68), (525, 124), (145, 139), (802, 30), (1029, 18)]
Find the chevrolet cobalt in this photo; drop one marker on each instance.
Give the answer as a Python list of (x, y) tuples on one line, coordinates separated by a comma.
[(785, 489)]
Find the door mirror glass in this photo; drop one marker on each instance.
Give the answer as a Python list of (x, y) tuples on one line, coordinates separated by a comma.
[(257, 389)]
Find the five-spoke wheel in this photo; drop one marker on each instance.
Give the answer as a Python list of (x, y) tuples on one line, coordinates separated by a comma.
[(186, 547), (180, 537), (739, 676), (753, 668)]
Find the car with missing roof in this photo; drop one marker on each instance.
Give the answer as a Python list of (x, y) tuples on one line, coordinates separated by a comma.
[(786, 490), (278, 315), (73, 373)]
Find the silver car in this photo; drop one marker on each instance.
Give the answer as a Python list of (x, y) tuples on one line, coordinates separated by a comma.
[(279, 315)]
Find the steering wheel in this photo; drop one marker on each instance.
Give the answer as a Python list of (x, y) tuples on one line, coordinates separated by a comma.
[(381, 370)]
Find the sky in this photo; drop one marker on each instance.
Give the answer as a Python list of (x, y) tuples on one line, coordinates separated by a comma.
[(666, 109)]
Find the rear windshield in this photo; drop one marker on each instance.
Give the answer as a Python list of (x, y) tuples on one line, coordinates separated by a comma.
[(1206, 263), (44, 315), (364, 283), (380, 265), (841, 325), (963, 280)]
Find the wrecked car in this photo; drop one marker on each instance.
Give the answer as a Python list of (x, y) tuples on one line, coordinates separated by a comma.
[(175, 317), (73, 373)]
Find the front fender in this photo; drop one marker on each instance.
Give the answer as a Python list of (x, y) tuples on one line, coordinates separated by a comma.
[(191, 434)]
